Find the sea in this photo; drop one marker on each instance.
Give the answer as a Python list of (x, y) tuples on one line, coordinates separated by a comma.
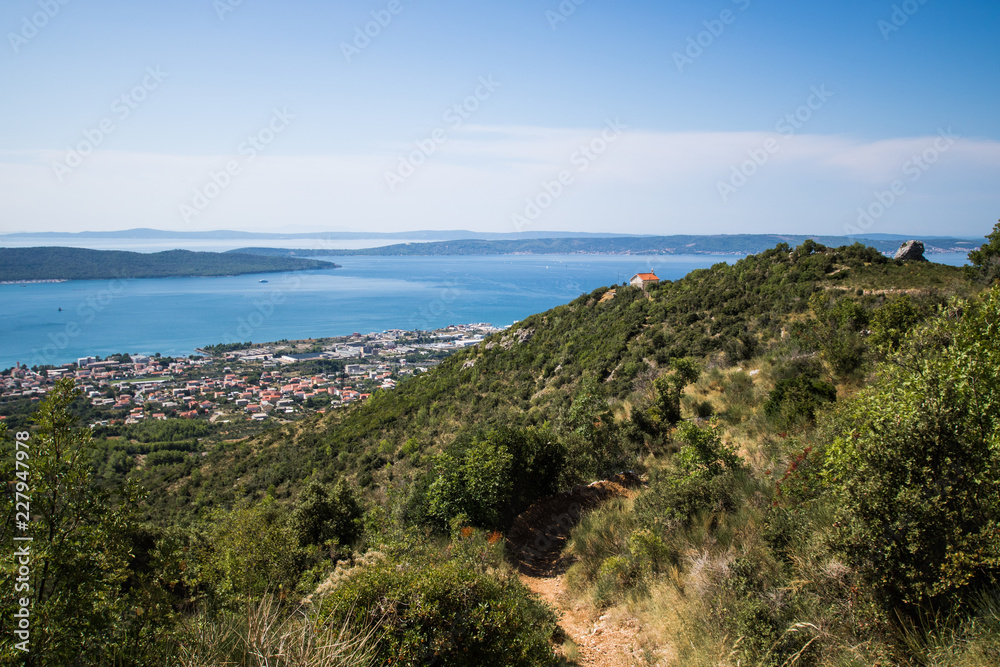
[(57, 323)]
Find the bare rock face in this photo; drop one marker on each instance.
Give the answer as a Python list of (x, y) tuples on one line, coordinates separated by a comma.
[(911, 251)]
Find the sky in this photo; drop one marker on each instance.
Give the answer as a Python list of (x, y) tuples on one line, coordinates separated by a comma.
[(724, 116)]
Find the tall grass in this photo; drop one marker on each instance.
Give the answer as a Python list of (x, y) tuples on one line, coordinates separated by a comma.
[(957, 642), (270, 635)]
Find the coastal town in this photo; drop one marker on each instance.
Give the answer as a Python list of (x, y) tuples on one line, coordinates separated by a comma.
[(241, 382)]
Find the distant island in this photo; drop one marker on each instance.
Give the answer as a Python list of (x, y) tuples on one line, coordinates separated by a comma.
[(719, 244), (55, 263)]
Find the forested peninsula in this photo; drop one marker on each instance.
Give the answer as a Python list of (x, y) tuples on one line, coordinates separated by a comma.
[(54, 263)]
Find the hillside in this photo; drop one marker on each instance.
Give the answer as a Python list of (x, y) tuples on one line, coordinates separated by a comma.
[(529, 375), (54, 263), (719, 244), (804, 435)]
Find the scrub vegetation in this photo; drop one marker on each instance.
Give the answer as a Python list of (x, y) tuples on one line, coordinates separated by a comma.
[(814, 433)]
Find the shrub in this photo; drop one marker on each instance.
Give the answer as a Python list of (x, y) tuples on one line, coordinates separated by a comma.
[(666, 409), (701, 478), (323, 514), (253, 551), (917, 463), (986, 260), (491, 475), (426, 609), (795, 400), (164, 457), (892, 322)]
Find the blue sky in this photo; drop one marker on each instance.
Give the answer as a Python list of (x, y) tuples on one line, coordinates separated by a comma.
[(676, 117)]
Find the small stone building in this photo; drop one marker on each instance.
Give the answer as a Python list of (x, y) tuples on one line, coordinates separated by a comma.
[(644, 280)]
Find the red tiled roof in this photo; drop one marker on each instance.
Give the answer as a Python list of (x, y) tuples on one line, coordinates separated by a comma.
[(646, 276)]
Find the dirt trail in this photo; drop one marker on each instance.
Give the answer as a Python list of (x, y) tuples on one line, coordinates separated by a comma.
[(535, 544)]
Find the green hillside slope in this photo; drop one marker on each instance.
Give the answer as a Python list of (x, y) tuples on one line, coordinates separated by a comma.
[(529, 375)]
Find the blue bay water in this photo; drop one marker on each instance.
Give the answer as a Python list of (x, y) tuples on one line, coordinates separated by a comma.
[(173, 316)]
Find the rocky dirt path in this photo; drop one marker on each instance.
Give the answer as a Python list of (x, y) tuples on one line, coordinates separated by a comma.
[(535, 544)]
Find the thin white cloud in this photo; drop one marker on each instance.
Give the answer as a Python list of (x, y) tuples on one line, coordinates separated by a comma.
[(481, 177)]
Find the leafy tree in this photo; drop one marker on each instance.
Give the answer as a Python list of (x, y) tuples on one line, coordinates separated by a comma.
[(986, 260), (488, 478), (891, 323), (587, 408), (322, 514), (596, 444), (78, 561), (917, 464), (838, 331), (253, 551), (666, 408), (797, 398)]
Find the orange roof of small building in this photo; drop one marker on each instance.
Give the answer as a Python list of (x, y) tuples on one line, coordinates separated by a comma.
[(646, 276)]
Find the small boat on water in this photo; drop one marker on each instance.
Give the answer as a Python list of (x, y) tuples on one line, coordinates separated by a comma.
[(262, 281)]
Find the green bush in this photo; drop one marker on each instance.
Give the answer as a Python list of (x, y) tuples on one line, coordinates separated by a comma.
[(253, 551), (165, 457), (428, 609), (892, 322), (701, 478), (795, 400), (666, 408), (489, 476), (917, 463), (986, 260), (838, 330), (322, 514)]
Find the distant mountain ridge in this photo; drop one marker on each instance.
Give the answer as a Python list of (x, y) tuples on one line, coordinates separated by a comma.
[(720, 244), (906, 237)]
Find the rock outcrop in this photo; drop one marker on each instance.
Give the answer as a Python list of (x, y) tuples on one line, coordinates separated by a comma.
[(912, 251)]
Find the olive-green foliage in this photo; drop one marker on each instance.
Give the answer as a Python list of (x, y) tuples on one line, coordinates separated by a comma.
[(986, 260), (838, 330), (597, 445), (892, 322), (78, 561), (529, 374), (666, 408), (489, 476), (918, 463), (322, 514), (462, 607), (169, 430), (252, 551), (701, 478), (795, 399)]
